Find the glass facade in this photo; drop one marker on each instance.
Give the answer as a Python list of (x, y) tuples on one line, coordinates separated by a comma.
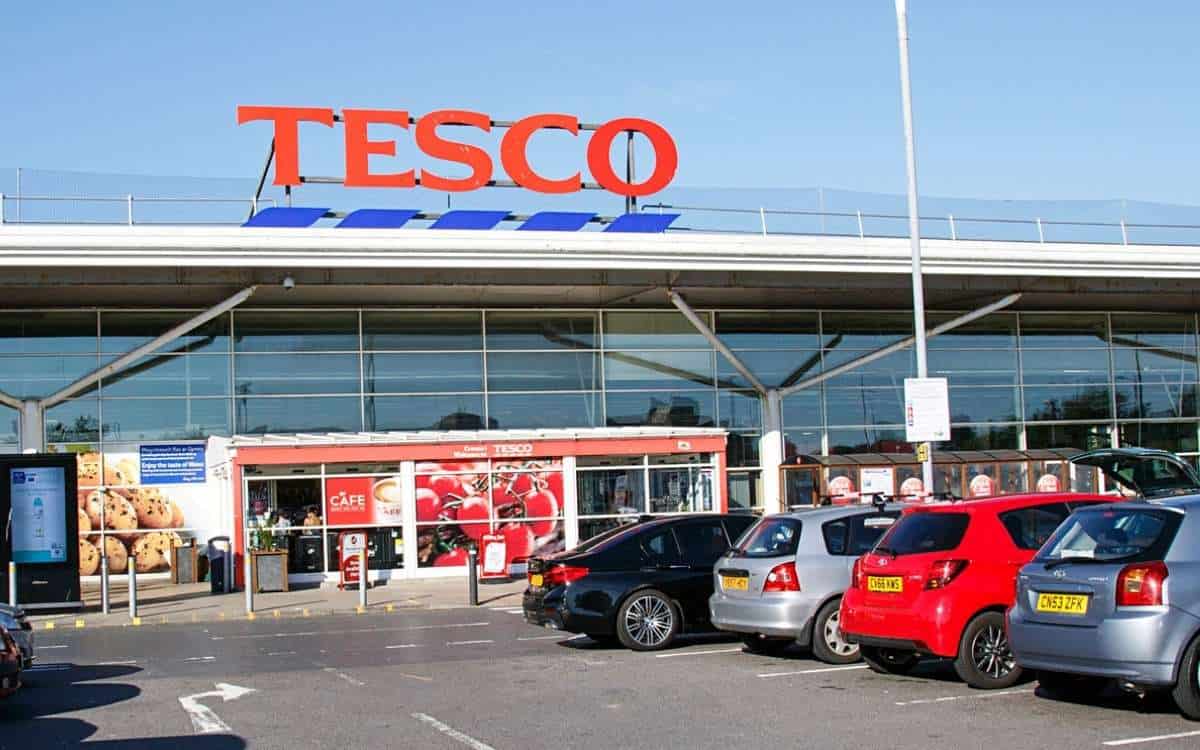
[(1027, 380)]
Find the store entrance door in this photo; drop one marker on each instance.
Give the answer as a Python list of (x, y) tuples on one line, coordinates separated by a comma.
[(285, 514)]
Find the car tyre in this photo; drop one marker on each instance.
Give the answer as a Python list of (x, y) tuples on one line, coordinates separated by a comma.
[(1069, 686), (827, 643), (1187, 689), (757, 644), (647, 621), (889, 660), (985, 659)]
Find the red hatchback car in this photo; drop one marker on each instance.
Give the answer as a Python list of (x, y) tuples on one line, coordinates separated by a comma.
[(939, 581)]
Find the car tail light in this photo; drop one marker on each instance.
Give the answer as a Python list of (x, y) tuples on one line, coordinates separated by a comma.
[(559, 575), (1141, 585), (856, 574), (782, 578), (942, 572)]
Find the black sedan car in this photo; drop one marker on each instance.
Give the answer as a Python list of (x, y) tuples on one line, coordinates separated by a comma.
[(642, 584)]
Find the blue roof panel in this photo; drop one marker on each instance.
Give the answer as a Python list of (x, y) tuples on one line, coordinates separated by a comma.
[(645, 223), (469, 220), (289, 216), (557, 221), (378, 218)]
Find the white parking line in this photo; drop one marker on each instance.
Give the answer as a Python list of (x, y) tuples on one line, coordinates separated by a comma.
[(346, 677), (405, 645), (46, 648), (281, 653), (973, 696), (820, 670), (698, 653), (467, 643), (353, 630), (415, 677), (201, 658), (1157, 738), (560, 637), (452, 733), (116, 663)]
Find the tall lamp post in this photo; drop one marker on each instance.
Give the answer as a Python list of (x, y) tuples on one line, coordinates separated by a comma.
[(914, 221)]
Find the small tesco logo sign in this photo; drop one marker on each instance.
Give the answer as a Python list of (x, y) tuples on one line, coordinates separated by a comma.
[(513, 149)]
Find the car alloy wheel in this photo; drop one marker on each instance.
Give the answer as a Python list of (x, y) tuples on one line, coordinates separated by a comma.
[(833, 637), (649, 621), (991, 654)]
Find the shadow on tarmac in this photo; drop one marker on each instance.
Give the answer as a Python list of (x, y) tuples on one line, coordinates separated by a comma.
[(25, 721)]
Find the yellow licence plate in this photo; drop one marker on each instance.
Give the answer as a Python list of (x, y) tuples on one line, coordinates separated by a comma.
[(735, 583), (1066, 604), (886, 584), (535, 580)]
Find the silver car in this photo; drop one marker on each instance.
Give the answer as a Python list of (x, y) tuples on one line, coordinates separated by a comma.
[(1114, 594), (783, 581), (17, 623)]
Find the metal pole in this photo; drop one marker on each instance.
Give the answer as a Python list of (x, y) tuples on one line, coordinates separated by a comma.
[(953, 229), (249, 583), (762, 216), (860, 224), (228, 582), (104, 595), (362, 579), (129, 209), (1041, 234), (914, 221), (132, 571), (1, 208), (12, 584), (1124, 233), (472, 577)]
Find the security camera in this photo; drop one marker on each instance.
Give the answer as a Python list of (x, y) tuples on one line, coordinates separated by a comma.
[(289, 283)]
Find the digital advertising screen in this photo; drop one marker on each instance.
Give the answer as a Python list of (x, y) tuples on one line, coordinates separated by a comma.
[(39, 514)]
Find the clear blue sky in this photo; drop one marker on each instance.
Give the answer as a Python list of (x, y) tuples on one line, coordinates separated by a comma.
[(1021, 99)]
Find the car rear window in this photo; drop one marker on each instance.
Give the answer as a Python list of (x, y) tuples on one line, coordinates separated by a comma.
[(855, 535), (1031, 527), (916, 533), (771, 537), (1113, 534)]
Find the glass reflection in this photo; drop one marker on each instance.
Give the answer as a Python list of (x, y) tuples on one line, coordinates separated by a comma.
[(448, 412), (680, 409)]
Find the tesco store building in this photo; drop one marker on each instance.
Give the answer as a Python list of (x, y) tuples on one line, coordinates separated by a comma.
[(434, 376)]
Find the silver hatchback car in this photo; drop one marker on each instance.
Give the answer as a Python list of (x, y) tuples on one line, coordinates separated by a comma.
[(782, 583), (1114, 594)]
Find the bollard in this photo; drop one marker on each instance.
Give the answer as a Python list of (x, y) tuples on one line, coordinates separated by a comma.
[(132, 588), (104, 584), (12, 584), (249, 582), (228, 567), (362, 579), (472, 577)]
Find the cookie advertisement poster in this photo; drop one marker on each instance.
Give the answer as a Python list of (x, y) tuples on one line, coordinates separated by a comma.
[(141, 501)]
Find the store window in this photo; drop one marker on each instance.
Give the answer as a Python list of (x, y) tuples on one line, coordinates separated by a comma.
[(982, 438), (541, 330), (804, 409), (74, 421), (283, 415), (1063, 330), (121, 332), (422, 330), (10, 428), (165, 418), (445, 412), (661, 408), (652, 330), (740, 409), (984, 404), (744, 490), (295, 331), (768, 330), (775, 368), (295, 374), (995, 331), (544, 410), (685, 489), (543, 371), (658, 370), (865, 406), (423, 372), (1081, 402), (171, 375), (1081, 436), (864, 330), (35, 376), (38, 332), (1175, 333), (1177, 437)]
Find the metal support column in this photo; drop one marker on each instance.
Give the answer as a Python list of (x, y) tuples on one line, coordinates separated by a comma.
[(33, 433), (770, 453)]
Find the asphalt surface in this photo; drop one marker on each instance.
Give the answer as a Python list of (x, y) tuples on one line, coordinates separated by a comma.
[(481, 678)]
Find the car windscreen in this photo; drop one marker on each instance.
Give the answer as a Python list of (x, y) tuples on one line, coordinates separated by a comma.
[(1113, 534), (770, 537), (920, 532)]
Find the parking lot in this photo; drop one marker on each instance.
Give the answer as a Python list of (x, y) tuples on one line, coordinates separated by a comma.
[(483, 678)]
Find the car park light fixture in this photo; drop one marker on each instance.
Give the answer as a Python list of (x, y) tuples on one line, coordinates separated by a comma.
[(559, 575), (782, 578), (942, 572), (1141, 585)]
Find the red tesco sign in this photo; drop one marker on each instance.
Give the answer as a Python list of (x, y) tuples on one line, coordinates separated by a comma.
[(513, 149)]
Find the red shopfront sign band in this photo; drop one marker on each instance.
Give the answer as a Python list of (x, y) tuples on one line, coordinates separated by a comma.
[(513, 149)]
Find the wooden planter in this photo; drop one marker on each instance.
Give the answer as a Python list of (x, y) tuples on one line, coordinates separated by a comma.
[(269, 571)]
